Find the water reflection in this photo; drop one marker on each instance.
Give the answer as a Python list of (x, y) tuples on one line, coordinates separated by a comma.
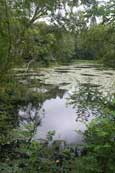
[(70, 112), (64, 112), (30, 113), (62, 119), (88, 102), (71, 97)]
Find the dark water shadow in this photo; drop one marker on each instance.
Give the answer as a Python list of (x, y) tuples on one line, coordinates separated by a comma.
[(84, 74), (62, 71), (108, 73)]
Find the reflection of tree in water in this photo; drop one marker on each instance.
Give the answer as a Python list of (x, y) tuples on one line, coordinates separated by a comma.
[(33, 112), (88, 102), (30, 116), (52, 91)]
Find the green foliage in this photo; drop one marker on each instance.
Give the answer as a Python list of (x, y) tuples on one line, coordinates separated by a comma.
[(24, 39), (64, 46), (100, 144), (97, 43), (50, 135)]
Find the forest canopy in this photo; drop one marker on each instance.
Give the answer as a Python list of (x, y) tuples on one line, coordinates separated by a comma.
[(33, 31)]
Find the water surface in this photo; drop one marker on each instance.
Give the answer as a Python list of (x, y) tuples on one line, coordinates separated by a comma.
[(73, 96)]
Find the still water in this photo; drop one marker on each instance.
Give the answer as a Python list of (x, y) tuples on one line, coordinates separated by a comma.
[(62, 119), (73, 96)]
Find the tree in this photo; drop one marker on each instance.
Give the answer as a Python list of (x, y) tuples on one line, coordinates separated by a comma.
[(5, 35)]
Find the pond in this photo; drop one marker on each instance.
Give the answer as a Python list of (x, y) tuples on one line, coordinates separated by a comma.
[(73, 96)]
